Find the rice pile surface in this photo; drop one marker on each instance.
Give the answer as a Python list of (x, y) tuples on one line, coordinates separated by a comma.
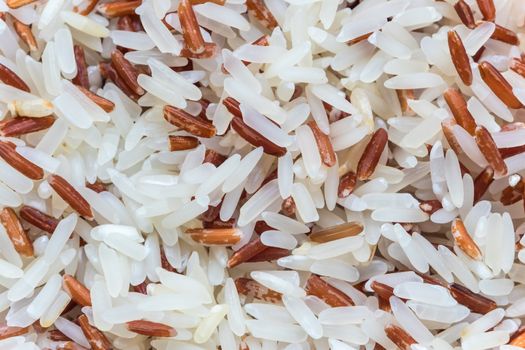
[(262, 174)]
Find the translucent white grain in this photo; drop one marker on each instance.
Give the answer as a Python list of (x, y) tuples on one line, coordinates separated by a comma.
[(478, 37), (239, 71), (84, 24), (425, 293), (258, 202), (414, 81), (335, 248), (259, 102), (304, 203), (64, 49), (60, 237), (356, 28), (210, 323), (190, 211), (285, 175), (51, 69), (453, 178), (333, 97), (157, 31), (309, 151), (278, 284), (222, 14), (278, 239), (265, 127), (284, 223), (304, 316), (410, 322), (277, 331), (132, 40), (335, 269), (45, 297)]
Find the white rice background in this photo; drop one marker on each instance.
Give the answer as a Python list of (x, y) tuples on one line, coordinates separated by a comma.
[(154, 196)]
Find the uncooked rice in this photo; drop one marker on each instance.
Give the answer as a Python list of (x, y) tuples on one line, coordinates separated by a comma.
[(262, 174)]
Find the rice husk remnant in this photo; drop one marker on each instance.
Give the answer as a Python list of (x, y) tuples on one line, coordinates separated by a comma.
[(262, 174)]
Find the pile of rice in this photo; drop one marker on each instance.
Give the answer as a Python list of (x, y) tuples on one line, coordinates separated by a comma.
[(262, 174)]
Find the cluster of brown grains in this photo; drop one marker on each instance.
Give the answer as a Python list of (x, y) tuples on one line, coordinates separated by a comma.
[(399, 336), (78, 292), (218, 236), (347, 184), (270, 254), (505, 35), (430, 206), (382, 290), (488, 147), (185, 121), (213, 157), (8, 332), (7, 76), (328, 234), (108, 72), (182, 143), (458, 106), (518, 66), (19, 126), (96, 338), (288, 206), (497, 83), (38, 219), (102, 102), (465, 14), (119, 8), (210, 50), (475, 302), (97, 186), (232, 105), (332, 296), (253, 289), (151, 329), (57, 335), (14, 4), (126, 71), (403, 97), (368, 162), (258, 9), (488, 10), (81, 79), (90, 6), (324, 145), (12, 157), (191, 32), (70, 195), (16, 232), (482, 182), (463, 240), (512, 194), (130, 23), (249, 134), (26, 35), (212, 213), (256, 139), (518, 338), (447, 126), (246, 252), (459, 57)]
